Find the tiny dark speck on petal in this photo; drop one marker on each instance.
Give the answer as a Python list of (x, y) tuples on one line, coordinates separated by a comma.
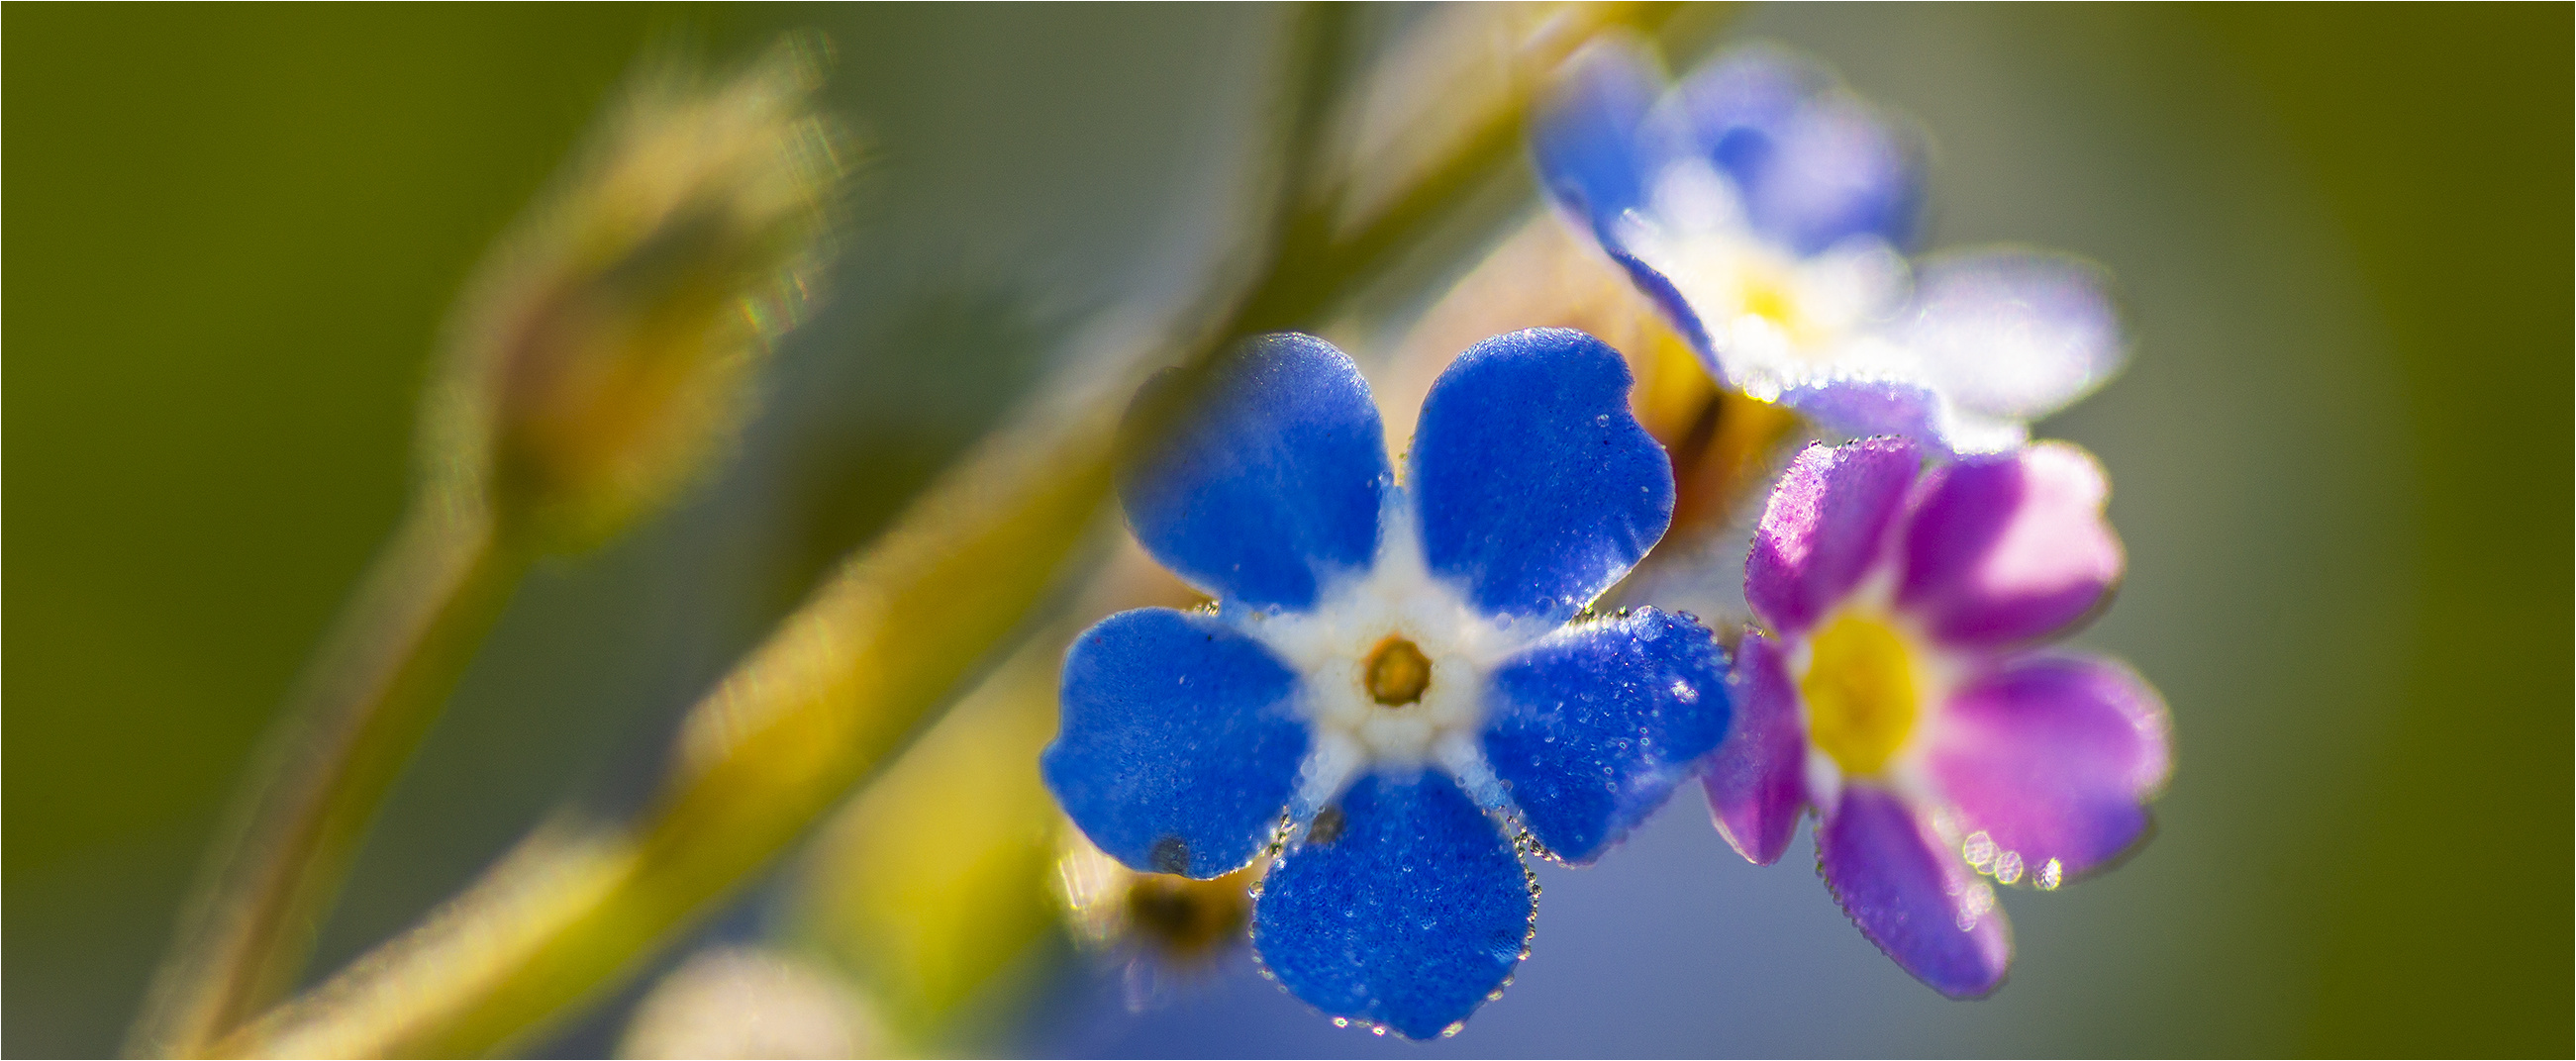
[(1171, 855), (1327, 827)]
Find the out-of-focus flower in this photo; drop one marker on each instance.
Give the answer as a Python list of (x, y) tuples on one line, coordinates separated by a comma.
[(1388, 666), (1767, 211), (607, 346), (1165, 928), (1899, 692), (749, 1002)]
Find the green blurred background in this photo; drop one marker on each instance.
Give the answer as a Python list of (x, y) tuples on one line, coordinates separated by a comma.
[(2343, 457)]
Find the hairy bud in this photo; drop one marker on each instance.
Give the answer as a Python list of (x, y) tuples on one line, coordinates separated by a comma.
[(607, 348)]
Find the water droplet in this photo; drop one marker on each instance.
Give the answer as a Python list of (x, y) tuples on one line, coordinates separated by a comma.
[(1979, 849), (1974, 904), (2051, 874), (2008, 866), (1454, 1028), (1377, 1030), (1601, 419), (1683, 692), (1341, 1022)]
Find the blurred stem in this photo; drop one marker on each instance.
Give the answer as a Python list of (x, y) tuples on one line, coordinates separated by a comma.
[(832, 693), (596, 363), (361, 709), (872, 655), (1317, 268)]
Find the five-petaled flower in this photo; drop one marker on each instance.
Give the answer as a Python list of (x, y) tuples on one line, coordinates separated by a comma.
[(1390, 681), (1767, 210), (1898, 691)]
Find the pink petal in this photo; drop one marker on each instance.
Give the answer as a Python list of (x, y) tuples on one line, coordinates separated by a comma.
[(1757, 780), (2010, 548), (2051, 760), (1825, 527), (1912, 895)]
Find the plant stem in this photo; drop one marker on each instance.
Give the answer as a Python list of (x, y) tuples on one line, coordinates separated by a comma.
[(832, 693), (358, 714)]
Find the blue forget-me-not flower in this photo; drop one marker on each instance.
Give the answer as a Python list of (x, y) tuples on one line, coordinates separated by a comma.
[(1768, 212), (1391, 684)]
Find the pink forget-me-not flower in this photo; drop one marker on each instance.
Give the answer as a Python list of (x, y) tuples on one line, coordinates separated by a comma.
[(1897, 688), (1390, 684), (1768, 212)]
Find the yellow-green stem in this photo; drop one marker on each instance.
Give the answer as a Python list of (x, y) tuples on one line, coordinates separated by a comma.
[(360, 711), (763, 756)]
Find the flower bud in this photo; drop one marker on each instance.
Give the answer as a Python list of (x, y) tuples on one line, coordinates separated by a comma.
[(608, 345)]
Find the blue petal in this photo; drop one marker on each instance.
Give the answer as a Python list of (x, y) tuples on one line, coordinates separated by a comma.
[(1260, 477), (1179, 744), (1586, 136), (1598, 150), (1536, 487), (1591, 728), (1677, 309), (1814, 164), (1738, 105), (1405, 909)]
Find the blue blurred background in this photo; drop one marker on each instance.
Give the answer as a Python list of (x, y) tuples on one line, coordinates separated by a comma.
[(2341, 457)]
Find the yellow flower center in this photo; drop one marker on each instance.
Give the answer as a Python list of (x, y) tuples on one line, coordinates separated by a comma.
[(1860, 692), (1397, 672), (1769, 298)]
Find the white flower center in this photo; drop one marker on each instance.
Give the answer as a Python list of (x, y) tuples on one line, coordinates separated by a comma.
[(1394, 662), (1777, 321)]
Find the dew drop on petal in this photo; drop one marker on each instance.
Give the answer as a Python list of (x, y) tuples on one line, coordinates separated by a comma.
[(2008, 866), (1979, 849), (1974, 904), (2051, 874), (1683, 692), (1341, 1022), (1454, 1028)]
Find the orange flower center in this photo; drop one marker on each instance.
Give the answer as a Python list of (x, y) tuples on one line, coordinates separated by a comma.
[(1397, 672)]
